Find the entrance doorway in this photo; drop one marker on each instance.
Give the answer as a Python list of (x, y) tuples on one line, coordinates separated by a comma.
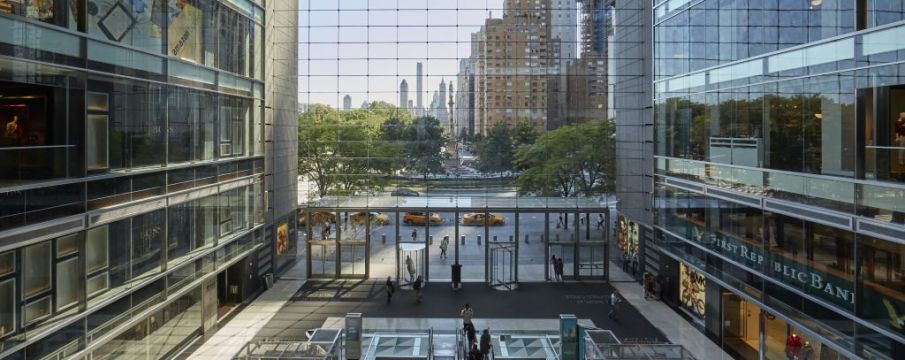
[(741, 327), (411, 262), (502, 266), (229, 290)]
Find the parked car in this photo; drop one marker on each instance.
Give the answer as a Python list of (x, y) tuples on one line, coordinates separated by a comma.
[(418, 218), (376, 218), (482, 218), (318, 217), (404, 192)]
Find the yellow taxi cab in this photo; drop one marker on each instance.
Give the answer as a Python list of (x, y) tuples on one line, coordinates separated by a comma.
[(482, 218), (419, 218)]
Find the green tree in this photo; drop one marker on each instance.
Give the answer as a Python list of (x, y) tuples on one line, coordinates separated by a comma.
[(524, 134), (572, 160), (424, 140), (495, 152)]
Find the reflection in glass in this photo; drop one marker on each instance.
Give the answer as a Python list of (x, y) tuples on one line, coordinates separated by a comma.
[(36, 269)]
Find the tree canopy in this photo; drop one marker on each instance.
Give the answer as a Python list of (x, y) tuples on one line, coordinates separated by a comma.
[(569, 161)]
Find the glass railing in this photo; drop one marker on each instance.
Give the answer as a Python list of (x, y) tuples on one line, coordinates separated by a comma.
[(876, 200)]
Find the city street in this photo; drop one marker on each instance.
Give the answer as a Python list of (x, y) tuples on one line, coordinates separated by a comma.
[(472, 255)]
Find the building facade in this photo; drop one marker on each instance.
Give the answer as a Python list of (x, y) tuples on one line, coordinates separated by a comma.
[(404, 94), (778, 141), (512, 66), (141, 150)]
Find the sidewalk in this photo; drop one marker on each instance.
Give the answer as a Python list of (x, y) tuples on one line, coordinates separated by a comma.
[(677, 329), (229, 339)]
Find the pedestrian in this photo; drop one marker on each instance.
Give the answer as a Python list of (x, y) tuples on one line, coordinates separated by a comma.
[(599, 221), (470, 336), (559, 269), (417, 286), (625, 262), (648, 285), (410, 266), (390, 288), (467, 313), (485, 344), (634, 264), (414, 235), (614, 301), (444, 244), (475, 353), (561, 223), (553, 266)]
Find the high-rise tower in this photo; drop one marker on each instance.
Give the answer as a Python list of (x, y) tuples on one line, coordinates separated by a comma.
[(419, 87), (403, 94)]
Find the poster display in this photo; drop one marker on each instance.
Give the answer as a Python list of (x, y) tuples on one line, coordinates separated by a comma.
[(34, 9), (627, 234), (282, 238), (185, 22), (134, 22), (691, 291)]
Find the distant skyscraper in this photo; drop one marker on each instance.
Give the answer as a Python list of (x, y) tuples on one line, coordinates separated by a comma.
[(403, 94), (411, 104), (564, 26), (419, 87), (347, 103), (365, 105), (442, 113)]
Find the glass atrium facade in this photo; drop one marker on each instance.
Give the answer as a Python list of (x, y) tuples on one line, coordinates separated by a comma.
[(463, 112), (779, 187), (134, 150)]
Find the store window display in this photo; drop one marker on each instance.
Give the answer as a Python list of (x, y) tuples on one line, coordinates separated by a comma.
[(33, 140), (138, 23), (45, 10)]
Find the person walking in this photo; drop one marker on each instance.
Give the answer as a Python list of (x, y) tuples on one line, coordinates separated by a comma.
[(648, 285), (561, 223), (553, 267), (485, 344), (614, 302), (559, 269), (599, 221), (390, 289), (444, 244), (410, 267), (417, 286), (475, 353), (467, 314), (414, 235)]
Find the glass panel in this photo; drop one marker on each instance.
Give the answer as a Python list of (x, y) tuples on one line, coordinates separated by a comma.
[(7, 307), (147, 238), (96, 249), (97, 284), (36, 269), (7, 263), (68, 245), (67, 281), (36, 310)]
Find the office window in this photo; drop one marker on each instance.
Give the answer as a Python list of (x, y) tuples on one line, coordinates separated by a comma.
[(136, 123), (36, 270), (191, 125), (147, 239), (67, 283)]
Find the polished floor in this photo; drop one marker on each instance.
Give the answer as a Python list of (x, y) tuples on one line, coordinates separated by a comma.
[(294, 306)]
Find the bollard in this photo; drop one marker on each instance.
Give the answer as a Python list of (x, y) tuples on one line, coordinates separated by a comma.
[(463, 240), (479, 239), (383, 239), (526, 239)]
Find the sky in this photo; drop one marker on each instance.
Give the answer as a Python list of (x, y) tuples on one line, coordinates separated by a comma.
[(365, 48)]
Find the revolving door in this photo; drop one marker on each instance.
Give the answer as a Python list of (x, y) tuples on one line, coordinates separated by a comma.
[(502, 266), (411, 260)]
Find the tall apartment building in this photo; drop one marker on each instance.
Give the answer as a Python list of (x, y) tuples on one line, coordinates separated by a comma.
[(587, 78), (778, 222), (464, 101), (141, 149), (511, 61), (419, 89)]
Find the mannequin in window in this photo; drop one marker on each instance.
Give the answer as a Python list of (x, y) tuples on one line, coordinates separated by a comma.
[(12, 132), (793, 346)]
